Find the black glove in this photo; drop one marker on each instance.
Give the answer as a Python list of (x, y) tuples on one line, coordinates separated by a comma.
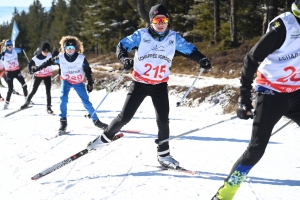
[(30, 72), (89, 86), (22, 47), (127, 63), (34, 69), (205, 63), (45, 64), (243, 110)]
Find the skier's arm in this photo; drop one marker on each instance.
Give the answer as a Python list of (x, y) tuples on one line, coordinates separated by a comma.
[(268, 43), (88, 71), (187, 49), (127, 44), (29, 66)]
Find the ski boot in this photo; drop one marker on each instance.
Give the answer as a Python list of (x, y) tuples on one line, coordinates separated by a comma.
[(99, 124), (100, 142), (168, 161), (49, 111), (6, 105), (63, 126), (24, 106), (226, 191), (15, 92)]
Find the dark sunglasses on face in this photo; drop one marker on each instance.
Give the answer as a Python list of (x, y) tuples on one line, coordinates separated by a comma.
[(69, 47), (9, 46)]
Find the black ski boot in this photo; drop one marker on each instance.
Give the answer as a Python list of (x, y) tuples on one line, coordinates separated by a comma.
[(49, 111), (99, 124), (63, 126), (24, 106)]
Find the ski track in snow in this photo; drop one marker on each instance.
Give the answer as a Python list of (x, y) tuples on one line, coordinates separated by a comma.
[(118, 172)]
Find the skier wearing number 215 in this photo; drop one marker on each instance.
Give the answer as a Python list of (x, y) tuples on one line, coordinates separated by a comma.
[(278, 92), (155, 48), (73, 67)]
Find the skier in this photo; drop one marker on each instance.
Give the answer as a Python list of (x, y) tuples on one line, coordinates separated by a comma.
[(73, 66), (156, 48), (2, 71), (277, 84), (43, 75), (9, 55)]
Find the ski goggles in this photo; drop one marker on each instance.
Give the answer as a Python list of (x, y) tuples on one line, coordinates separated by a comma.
[(69, 47), (163, 20)]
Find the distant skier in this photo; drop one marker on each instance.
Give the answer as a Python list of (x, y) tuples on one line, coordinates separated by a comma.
[(9, 55), (73, 67), (155, 48), (278, 92), (42, 75)]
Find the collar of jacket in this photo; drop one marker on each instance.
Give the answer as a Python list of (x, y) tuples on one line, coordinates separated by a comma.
[(156, 35)]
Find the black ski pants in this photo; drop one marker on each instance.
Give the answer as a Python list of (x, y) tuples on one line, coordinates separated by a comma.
[(268, 111), (10, 82), (136, 95), (36, 84)]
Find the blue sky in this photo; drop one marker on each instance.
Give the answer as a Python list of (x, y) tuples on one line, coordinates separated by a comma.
[(7, 7), (24, 3)]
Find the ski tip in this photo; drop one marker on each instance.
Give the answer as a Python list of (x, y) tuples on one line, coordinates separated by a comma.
[(36, 177)]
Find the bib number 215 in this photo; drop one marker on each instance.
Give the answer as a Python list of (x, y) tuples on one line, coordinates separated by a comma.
[(158, 71)]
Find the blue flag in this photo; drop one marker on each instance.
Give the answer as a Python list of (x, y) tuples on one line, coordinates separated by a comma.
[(15, 32)]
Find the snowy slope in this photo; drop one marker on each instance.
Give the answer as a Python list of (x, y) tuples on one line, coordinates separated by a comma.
[(118, 171)]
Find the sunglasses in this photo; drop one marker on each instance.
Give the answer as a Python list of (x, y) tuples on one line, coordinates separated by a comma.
[(69, 47), (9, 46), (163, 20)]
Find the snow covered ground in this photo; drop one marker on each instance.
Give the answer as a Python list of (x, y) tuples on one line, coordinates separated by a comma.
[(118, 171)]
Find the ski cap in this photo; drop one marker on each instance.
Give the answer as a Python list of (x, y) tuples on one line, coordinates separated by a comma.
[(8, 43), (158, 10), (70, 42), (46, 47)]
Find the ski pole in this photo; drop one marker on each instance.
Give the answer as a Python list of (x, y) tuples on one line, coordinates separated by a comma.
[(32, 79), (282, 127), (197, 129), (25, 55), (24, 84), (54, 77), (110, 90), (188, 91)]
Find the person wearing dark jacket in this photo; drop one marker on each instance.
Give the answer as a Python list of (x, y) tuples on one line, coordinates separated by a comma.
[(278, 92), (42, 75), (73, 68), (156, 47)]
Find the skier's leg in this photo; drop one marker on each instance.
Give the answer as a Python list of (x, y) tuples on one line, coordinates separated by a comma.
[(269, 109)]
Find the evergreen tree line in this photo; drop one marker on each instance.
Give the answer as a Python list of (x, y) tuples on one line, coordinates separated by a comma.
[(100, 24)]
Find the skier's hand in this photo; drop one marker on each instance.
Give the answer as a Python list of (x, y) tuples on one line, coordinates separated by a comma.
[(127, 63), (34, 69), (22, 47), (244, 108), (89, 86), (205, 63)]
